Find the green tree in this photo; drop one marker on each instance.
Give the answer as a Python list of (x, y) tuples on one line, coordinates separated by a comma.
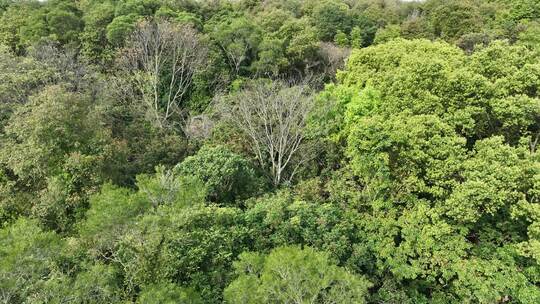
[(166, 187), (53, 124), (168, 293), (12, 21), (59, 21), (113, 209), (100, 283), (193, 246), (238, 39), (330, 17), (94, 39), (423, 140), (227, 175), (120, 28), (364, 29), (294, 275), (452, 19), (300, 42), (271, 58), (282, 219), (529, 36), (357, 40), (28, 259), (65, 22), (386, 34), (20, 77), (524, 9), (57, 140), (341, 39), (109, 217)]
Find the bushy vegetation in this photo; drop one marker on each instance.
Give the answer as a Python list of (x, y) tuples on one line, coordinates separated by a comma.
[(281, 151)]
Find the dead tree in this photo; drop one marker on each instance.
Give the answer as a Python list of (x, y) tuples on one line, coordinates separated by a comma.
[(273, 117), (333, 58), (162, 58)]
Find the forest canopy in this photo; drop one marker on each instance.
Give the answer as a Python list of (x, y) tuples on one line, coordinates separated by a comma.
[(279, 151)]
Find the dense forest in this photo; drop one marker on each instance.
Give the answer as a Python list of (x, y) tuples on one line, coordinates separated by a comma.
[(269, 151)]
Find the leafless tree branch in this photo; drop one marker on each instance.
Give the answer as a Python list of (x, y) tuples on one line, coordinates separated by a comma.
[(273, 116), (162, 57)]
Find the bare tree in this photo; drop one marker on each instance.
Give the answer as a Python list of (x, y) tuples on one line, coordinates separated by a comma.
[(534, 142), (75, 72), (273, 116), (236, 54), (199, 127), (333, 58), (162, 57)]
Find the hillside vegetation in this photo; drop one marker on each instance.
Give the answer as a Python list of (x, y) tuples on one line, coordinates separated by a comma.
[(270, 152)]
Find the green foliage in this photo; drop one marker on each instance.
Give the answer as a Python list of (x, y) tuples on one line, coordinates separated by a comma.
[(300, 41), (341, 39), (452, 19), (365, 28), (238, 39), (64, 197), (94, 36), (120, 27), (165, 187), (357, 39), (52, 145), (524, 9), (98, 284), (20, 78), (168, 293), (227, 175), (144, 147), (331, 17), (190, 246), (28, 258), (530, 36), (291, 274), (113, 209), (272, 59), (406, 155), (140, 7), (437, 177), (484, 192), (420, 179), (11, 22), (386, 34), (53, 124), (58, 21), (109, 216), (283, 219)]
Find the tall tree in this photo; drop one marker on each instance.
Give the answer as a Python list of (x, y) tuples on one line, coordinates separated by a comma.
[(296, 276), (273, 115), (162, 57)]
